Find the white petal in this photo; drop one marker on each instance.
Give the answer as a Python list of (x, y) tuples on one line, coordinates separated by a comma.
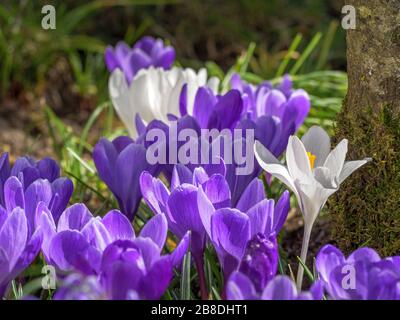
[(119, 94), (272, 165), (317, 141), (325, 177), (213, 84), (336, 158), (297, 159), (312, 198), (351, 166), (202, 77)]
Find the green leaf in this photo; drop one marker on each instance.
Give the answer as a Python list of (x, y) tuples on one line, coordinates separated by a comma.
[(185, 281), (309, 49), (289, 54), (307, 270)]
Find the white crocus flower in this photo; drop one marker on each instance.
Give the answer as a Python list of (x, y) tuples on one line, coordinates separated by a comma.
[(313, 173), (154, 93)]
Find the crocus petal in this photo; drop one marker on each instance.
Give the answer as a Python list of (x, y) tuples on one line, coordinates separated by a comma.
[(29, 254), (272, 165), (137, 60), (4, 174), (128, 175), (156, 229), (298, 104), (297, 160), (118, 226), (96, 234), (274, 100), (13, 194), (120, 97), (280, 288), (104, 156), (44, 220), (48, 169), (180, 175), (351, 166), (179, 252), (230, 229), (217, 191), (13, 235), (74, 218), (366, 255), (120, 278), (206, 210), (317, 141), (183, 101), (268, 131), (253, 194), (328, 258), (62, 189), (155, 193), (281, 211), (227, 111), (111, 61), (204, 105), (183, 211), (325, 177), (67, 248), (156, 281), (149, 250), (166, 59), (38, 191), (259, 215), (336, 158), (239, 287), (312, 197)]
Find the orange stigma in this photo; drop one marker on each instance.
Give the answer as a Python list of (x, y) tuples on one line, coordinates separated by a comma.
[(311, 158)]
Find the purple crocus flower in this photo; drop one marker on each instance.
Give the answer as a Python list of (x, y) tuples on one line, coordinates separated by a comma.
[(260, 260), (20, 241), (179, 204), (363, 275), (214, 111), (147, 52), (274, 113), (59, 189), (231, 229), (120, 164), (79, 239), (130, 269), (240, 287)]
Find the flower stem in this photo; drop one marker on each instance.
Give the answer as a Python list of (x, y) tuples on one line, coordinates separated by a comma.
[(202, 278), (303, 255)]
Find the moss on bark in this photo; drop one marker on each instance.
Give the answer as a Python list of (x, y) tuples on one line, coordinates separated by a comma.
[(366, 210)]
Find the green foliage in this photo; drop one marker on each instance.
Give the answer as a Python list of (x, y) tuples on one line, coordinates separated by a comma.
[(27, 51)]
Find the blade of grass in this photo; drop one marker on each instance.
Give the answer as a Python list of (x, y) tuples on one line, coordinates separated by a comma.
[(185, 281), (92, 119), (307, 270), (309, 49), (282, 67)]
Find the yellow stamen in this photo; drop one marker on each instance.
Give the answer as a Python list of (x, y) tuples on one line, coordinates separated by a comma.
[(311, 158)]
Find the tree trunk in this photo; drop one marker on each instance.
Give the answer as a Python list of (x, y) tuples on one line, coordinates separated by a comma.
[(366, 210)]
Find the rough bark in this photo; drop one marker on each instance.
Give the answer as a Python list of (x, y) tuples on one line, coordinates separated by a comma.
[(366, 210)]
